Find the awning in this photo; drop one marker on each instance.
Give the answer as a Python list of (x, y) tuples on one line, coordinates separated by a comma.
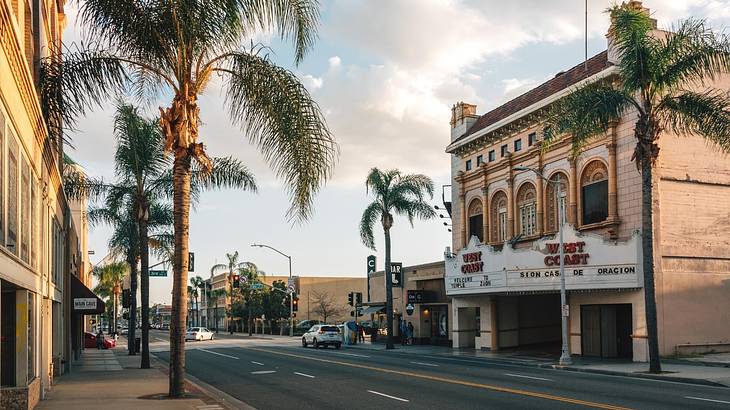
[(85, 302), (370, 310)]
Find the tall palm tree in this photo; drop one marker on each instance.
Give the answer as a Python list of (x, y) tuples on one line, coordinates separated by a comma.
[(394, 193), (174, 48), (216, 294), (253, 275), (197, 284), (143, 176), (656, 78), (110, 279), (233, 264)]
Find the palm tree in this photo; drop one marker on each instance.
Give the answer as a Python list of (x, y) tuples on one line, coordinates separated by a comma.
[(233, 264), (252, 274), (399, 194), (173, 48), (197, 284), (215, 295), (656, 75), (110, 281), (144, 175)]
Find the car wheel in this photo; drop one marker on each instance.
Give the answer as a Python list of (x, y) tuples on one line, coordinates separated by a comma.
[(316, 345), (338, 345), (304, 342), (211, 336)]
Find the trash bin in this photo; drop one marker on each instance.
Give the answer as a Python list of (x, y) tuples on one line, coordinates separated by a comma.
[(137, 344)]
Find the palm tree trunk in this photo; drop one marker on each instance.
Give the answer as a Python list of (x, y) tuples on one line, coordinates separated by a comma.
[(388, 291), (132, 322), (181, 204), (250, 331), (145, 289), (647, 246)]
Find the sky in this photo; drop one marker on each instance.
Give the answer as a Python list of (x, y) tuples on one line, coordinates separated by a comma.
[(385, 73)]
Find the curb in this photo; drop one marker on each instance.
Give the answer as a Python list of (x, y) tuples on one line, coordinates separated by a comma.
[(687, 380), (224, 399)]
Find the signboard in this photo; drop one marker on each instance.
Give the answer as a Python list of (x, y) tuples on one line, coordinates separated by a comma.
[(396, 274), (290, 288), (415, 296), (371, 264), (257, 285), (158, 273), (191, 262), (84, 303), (590, 263), (409, 309), (243, 279)]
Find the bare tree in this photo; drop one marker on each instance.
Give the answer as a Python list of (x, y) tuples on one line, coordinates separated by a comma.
[(324, 305)]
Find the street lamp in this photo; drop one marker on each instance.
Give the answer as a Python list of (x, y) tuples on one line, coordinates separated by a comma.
[(291, 295), (565, 350)]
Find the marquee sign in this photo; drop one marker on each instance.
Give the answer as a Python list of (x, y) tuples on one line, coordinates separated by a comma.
[(590, 263)]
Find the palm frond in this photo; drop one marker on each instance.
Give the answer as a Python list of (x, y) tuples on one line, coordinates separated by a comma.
[(636, 49), (706, 114), (280, 117), (226, 172), (370, 217), (77, 185)]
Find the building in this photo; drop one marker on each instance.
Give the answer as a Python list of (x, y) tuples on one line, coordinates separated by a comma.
[(161, 314), (42, 295), (323, 294), (502, 274), (419, 297)]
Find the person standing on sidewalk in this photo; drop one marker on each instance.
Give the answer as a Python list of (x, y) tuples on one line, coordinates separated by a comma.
[(410, 333), (100, 340)]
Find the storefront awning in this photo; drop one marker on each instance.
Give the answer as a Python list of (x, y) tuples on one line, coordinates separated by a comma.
[(85, 302), (371, 310)]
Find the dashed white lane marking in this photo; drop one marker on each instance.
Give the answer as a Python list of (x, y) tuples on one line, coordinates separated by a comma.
[(264, 372), (350, 354), (527, 377), (219, 354), (704, 399), (426, 364), (304, 374), (388, 396), (258, 363)]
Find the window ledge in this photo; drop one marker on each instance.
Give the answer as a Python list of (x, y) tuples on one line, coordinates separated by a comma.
[(604, 224), (528, 238)]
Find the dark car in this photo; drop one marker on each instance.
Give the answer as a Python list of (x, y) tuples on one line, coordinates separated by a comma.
[(90, 341)]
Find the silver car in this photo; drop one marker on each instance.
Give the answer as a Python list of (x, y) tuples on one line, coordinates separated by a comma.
[(322, 335)]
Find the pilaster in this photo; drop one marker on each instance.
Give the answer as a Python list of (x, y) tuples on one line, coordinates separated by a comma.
[(573, 194)]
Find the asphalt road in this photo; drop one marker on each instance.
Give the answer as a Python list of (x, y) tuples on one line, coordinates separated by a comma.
[(270, 376)]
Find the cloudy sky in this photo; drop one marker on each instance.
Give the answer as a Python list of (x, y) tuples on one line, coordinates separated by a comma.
[(386, 73)]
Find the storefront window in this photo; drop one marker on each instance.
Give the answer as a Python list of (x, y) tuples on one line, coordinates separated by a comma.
[(526, 201), (13, 165), (594, 193)]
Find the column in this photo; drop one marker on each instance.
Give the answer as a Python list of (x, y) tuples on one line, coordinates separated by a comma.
[(540, 203), (573, 194), (612, 178), (485, 215), (494, 325)]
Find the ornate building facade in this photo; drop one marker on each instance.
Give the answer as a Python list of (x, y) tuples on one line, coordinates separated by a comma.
[(502, 276)]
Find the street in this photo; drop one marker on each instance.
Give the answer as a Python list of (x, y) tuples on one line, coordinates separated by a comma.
[(280, 374)]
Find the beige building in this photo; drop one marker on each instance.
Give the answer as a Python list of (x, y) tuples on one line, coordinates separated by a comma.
[(331, 289), (502, 276), (429, 311)]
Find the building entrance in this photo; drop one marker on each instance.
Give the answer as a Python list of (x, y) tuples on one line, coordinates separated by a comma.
[(606, 330), (530, 320), (7, 337)]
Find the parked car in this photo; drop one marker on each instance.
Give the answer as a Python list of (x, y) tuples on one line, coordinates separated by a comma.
[(199, 333), (90, 341), (124, 331), (303, 326), (322, 335)]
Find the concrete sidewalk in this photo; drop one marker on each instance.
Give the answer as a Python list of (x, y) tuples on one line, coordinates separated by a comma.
[(673, 370), (111, 379)]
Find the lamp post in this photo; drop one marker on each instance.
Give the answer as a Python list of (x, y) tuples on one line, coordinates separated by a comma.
[(565, 350), (291, 295)]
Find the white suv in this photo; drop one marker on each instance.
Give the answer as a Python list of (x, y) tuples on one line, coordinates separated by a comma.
[(322, 335), (199, 333)]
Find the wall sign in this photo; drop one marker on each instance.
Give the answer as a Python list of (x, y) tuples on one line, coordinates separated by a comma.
[(396, 272), (84, 303), (415, 296), (590, 263)]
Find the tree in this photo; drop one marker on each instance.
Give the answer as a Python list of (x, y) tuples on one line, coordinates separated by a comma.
[(657, 73), (399, 194), (325, 306), (143, 177), (110, 281), (198, 283), (173, 48), (233, 264), (216, 294), (252, 274)]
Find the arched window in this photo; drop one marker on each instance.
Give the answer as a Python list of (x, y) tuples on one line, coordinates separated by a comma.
[(499, 217), (552, 202), (594, 193), (527, 209), (476, 220)]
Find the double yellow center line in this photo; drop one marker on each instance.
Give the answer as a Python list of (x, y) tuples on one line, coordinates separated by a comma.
[(450, 381)]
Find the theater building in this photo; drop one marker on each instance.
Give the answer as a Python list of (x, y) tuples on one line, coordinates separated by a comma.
[(502, 271)]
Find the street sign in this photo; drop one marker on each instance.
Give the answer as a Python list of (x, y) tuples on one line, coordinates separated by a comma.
[(409, 309), (243, 279), (257, 285), (396, 274), (371, 264), (158, 273)]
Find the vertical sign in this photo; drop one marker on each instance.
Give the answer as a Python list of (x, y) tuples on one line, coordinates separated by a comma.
[(396, 272), (191, 262), (371, 264)]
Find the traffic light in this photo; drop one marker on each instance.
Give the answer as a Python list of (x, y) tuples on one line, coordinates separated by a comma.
[(350, 299), (236, 281), (295, 304), (358, 299), (126, 298)]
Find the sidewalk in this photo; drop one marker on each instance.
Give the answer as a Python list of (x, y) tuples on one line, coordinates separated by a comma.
[(111, 379), (673, 370)]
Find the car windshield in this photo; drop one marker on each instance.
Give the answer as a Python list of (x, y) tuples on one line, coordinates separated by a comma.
[(330, 329)]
